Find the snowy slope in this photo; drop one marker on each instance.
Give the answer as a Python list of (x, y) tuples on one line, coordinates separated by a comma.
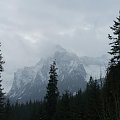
[(30, 82)]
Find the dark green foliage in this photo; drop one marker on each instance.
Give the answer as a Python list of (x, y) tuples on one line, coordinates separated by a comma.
[(112, 93), (7, 110), (115, 44), (77, 106), (87, 105), (69, 107), (111, 88), (93, 103), (28, 111), (97, 102), (63, 107), (1, 89), (52, 92)]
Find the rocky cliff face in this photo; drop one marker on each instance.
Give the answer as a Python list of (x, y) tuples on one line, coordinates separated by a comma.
[(30, 82)]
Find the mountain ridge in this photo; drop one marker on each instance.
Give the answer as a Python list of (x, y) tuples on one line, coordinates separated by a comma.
[(30, 82)]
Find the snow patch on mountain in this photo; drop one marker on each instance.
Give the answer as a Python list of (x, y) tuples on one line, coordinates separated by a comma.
[(73, 72), (30, 82)]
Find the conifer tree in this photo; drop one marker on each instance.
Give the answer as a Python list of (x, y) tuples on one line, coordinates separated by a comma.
[(52, 92), (63, 111), (7, 110), (93, 111), (112, 80), (115, 44), (1, 89)]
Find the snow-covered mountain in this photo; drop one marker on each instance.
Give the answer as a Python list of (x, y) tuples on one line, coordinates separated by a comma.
[(30, 82)]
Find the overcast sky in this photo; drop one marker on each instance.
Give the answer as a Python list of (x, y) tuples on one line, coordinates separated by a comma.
[(28, 27)]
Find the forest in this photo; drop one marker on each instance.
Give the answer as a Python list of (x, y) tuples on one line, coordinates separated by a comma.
[(99, 101)]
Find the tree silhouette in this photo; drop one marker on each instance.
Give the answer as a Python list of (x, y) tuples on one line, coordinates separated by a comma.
[(1, 89), (52, 92), (115, 44)]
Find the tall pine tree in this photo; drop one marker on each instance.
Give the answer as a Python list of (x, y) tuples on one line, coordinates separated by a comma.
[(52, 92), (1, 89), (112, 81), (93, 107), (115, 44), (63, 108)]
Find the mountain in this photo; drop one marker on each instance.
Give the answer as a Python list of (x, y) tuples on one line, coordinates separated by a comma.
[(30, 82)]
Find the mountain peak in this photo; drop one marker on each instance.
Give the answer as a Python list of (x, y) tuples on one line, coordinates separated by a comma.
[(59, 48), (31, 83)]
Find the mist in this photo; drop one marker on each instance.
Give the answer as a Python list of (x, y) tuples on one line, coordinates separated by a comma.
[(29, 29)]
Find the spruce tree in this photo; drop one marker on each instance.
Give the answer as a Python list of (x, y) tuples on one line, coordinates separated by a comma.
[(1, 89), (93, 111), (7, 110), (112, 81), (115, 44), (52, 92), (63, 110)]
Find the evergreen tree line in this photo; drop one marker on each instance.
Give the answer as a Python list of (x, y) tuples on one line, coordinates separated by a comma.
[(99, 101), (91, 104)]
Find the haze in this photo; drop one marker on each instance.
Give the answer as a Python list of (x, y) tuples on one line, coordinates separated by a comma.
[(29, 27)]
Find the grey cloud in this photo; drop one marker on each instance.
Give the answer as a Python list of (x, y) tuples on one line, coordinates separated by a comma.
[(28, 27)]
